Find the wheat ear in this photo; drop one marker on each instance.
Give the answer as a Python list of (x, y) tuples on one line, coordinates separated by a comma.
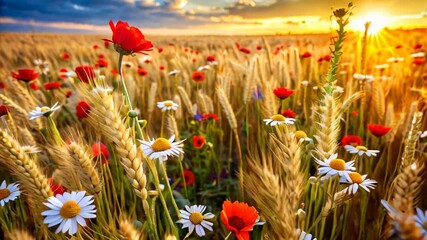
[(16, 234), (186, 100), (128, 231)]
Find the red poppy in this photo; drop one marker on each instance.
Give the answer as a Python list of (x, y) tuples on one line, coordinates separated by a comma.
[(239, 218), (197, 52), (2, 85), (101, 63), (101, 55), (288, 113), (258, 47), (3, 110), (63, 73), (142, 72), (86, 74), (245, 50), (160, 49), (351, 140), (327, 58), (198, 141), (354, 113), (171, 44), (378, 130), (210, 116), (306, 55), (320, 60), (276, 51), (198, 76), (417, 46), (211, 58), (82, 109), (95, 46), (34, 86), (52, 85), (398, 46), (162, 67), (283, 92), (65, 56), (55, 187), (419, 60), (128, 39), (26, 75), (100, 150), (69, 93), (185, 49), (189, 178), (106, 44), (114, 71), (194, 60)]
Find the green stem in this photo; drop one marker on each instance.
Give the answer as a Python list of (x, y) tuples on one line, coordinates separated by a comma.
[(165, 174)]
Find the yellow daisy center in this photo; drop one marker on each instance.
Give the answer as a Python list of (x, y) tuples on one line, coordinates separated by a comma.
[(361, 148), (278, 117), (356, 177), (196, 218), (300, 134), (161, 144), (168, 103), (337, 164), (70, 209), (4, 193), (44, 109)]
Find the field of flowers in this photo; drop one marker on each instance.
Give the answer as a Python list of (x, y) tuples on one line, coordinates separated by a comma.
[(277, 137)]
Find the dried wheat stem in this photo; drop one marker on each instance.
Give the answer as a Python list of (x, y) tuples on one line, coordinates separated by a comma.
[(411, 140)]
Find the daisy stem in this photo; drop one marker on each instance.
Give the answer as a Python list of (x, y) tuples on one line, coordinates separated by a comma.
[(165, 174), (181, 169), (55, 133), (162, 123)]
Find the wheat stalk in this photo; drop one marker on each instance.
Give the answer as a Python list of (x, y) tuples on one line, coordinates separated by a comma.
[(186, 100), (16, 234), (128, 231), (226, 107)]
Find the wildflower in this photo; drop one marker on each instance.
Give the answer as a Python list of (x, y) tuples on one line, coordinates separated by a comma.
[(354, 114), (245, 50), (99, 90), (395, 59), (55, 187), (258, 47), (417, 46), (174, 72), (26, 75), (167, 105), (418, 55), (368, 78), (210, 58), (142, 71), (82, 109), (43, 111), (86, 74), (419, 60), (304, 83), (198, 76), (161, 148), (399, 46), (69, 210), (361, 150), (65, 73), (351, 140), (128, 39), (69, 93), (283, 92), (52, 85), (95, 46), (41, 66), (162, 68), (381, 66), (306, 55), (239, 218), (106, 44), (334, 165), (356, 180), (34, 86), (189, 177), (210, 116), (327, 58), (422, 134), (65, 56), (2, 85), (8, 192), (198, 141), (421, 221), (101, 63), (302, 136), (30, 149), (4, 110), (378, 130), (100, 150), (278, 119), (306, 236), (193, 218), (159, 49), (205, 67), (288, 113)]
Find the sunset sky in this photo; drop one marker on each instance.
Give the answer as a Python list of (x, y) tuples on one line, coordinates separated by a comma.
[(185, 17)]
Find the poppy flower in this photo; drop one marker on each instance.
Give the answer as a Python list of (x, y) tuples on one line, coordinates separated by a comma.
[(82, 109), (52, 85), (101, 55), (162, 67), (211, 58), (69, 93), (320, 60), (185, 49), (378, 130), (85, 73), (194, 60), (65, 56), (128, 39), (288, 113), (2, 85), (306, 55), (26, 75), (171, 44), (417, 46), (100, 150), (283, 92), (106, 44), (351, 140), (114, 71), (95, 46), (354, 114), (210, 116), (55, 187), (101, 63), (327, 58), (34, 86), (398, 46), (197, 52), (3, 110), (198, 76), (419, 61), (239, 218), (160, 49), (258, 47), (142, 72), (198, 141), (189, 178), (245, 50)]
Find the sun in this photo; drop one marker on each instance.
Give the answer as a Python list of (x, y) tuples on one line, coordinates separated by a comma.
[(377, 22)]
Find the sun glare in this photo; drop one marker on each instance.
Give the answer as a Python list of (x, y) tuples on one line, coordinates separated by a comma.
[(377, 20)]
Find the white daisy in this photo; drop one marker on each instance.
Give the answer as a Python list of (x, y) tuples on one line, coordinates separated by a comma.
[(381, 66), (41, 66), (304, 83), (68, 74), (174, 72), (69, 210), (361, 150), (8, 192), (30, 149), (205, 67), (305, 236), (43, 111), (395, 59), (334, 165), (278, 119), (193, 218), (161, 148), (356, 180), (422, 134), (302, 136), (368, 78), (167, 105), (418, 55), (421, 221)]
